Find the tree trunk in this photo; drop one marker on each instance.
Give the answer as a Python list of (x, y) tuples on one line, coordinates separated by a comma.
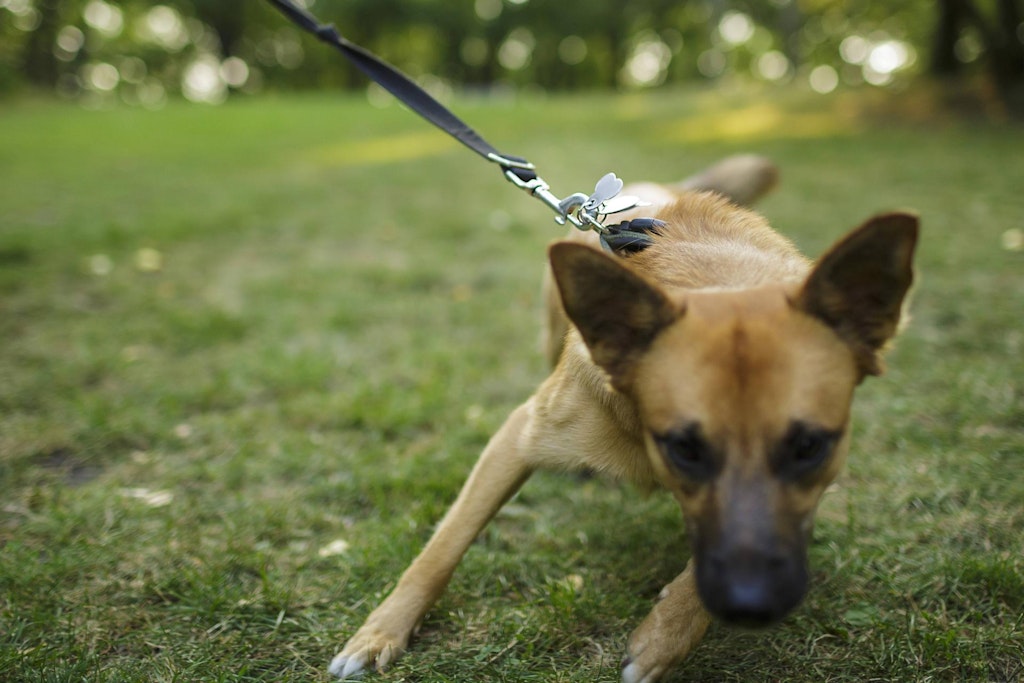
[(1007, 57), (1004, 53), (37, 58), (947, 32)]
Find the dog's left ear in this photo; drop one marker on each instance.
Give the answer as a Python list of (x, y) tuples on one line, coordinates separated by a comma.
[(616, 310), (858, 286)]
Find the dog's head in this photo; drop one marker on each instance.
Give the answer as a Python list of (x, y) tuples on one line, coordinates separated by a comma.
[(745, 396)]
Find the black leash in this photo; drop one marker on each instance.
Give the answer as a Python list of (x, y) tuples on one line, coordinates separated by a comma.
[(402, 87), (583, 211)]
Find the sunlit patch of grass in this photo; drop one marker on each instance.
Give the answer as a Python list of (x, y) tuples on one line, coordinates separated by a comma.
[(756, 123), (214, 468), (381, 150)]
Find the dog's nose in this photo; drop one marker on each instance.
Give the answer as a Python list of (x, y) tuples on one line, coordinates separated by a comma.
[(751, 589), (749, 602)]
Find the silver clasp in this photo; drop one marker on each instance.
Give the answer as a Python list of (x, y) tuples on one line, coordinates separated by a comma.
[(564, 208), (585, 212)]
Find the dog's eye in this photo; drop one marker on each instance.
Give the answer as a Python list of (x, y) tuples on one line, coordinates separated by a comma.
[(689, 453), (803, 450)]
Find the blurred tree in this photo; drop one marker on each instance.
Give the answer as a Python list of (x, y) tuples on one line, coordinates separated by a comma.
[(38, 56), (228, 20), (1001, 35), (137, 50)]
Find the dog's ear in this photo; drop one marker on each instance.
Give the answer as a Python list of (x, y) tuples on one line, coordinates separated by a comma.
[(858, 286), (616, 310)]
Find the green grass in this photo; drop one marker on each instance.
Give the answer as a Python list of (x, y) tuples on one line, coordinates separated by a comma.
[(348, 305)]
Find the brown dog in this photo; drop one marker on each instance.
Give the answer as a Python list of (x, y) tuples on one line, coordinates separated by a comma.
[(717, 363)]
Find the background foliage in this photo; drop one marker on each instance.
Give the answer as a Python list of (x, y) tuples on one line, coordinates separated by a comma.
[(141, 51)]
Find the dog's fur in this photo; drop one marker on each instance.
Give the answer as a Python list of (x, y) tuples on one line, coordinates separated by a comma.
[(717, 363)]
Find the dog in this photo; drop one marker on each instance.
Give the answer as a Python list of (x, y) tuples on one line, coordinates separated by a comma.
[(717, 363)]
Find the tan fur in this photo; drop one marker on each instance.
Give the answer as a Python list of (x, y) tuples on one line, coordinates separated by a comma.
[(737, 181), (721, 328)]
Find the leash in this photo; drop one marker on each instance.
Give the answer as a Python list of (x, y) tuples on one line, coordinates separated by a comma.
[(585, 212)]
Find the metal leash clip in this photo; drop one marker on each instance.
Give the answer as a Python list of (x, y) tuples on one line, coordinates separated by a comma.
[(582, 211)]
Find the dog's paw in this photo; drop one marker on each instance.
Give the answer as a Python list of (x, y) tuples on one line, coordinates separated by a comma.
[(636, 668), (368, 649), (635, 673), (667, 635)]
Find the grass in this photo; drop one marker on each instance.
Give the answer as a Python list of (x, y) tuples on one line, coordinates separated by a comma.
[(338, 306)]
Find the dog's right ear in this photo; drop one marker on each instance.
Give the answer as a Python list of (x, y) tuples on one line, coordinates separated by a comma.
[(859, 286), (617, 311)]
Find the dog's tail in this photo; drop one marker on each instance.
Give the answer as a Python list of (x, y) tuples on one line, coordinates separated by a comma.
[(743, 178)]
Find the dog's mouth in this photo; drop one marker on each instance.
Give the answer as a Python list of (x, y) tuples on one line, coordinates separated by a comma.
[(752, 590)]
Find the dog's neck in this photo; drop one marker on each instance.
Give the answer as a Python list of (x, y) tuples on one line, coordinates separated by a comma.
[(707, 243)]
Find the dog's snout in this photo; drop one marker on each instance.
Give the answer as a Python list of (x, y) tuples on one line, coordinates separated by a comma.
[(748, 603), (751, 587)]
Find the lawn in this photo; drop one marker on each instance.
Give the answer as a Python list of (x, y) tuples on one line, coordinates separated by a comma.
[(248, 354)]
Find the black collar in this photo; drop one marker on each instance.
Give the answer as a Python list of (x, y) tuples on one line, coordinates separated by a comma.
[(629, 237)]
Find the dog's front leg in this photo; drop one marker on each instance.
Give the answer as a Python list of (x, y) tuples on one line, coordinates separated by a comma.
[(672, 629), (498, 474)]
